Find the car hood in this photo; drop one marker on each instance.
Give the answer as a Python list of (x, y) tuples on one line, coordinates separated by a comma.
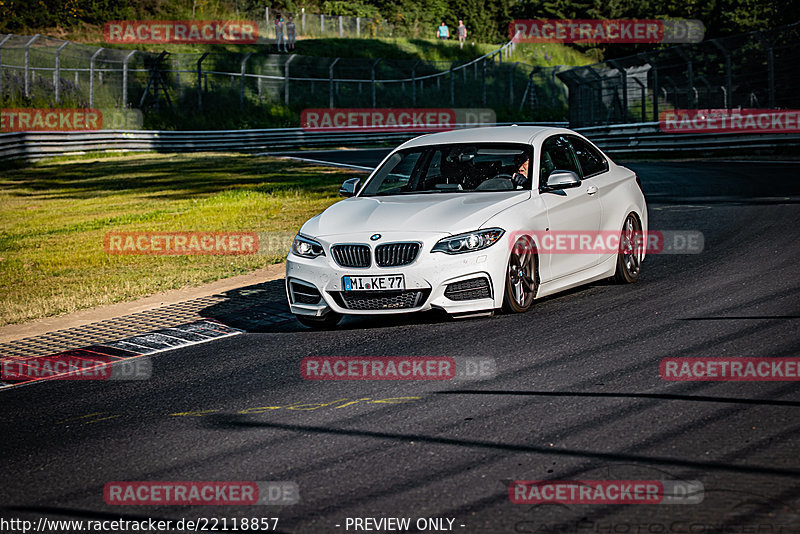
[(452, 213)]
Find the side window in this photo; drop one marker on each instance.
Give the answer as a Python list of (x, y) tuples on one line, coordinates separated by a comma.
[(556, 154), (591, 160)]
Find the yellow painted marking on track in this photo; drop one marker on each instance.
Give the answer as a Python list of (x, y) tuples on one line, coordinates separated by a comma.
[(200, 413), (351, 402), (259, 409), (396, 400), (79, 418), (318, 405), (103, 419), (298, 406)]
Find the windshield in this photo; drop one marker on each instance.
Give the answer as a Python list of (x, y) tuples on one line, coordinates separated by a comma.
[(465, 168)]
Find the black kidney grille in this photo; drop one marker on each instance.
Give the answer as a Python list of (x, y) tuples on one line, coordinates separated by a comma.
[(396, 254), (351, 255)]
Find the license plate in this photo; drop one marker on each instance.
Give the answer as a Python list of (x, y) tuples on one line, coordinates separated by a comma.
[(374, 283)]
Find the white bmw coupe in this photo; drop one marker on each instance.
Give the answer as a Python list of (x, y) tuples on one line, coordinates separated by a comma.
[(469, 221)]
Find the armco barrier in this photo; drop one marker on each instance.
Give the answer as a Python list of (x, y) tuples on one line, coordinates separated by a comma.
[(647, 138), (641, 138)]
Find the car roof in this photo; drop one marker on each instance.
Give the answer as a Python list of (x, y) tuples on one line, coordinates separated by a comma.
[(493, 134)]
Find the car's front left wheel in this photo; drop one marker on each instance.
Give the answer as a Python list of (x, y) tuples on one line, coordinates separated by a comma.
[(631, 251), (521, 279)]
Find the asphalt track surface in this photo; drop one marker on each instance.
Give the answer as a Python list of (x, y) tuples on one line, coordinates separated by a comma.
[(577, 396)]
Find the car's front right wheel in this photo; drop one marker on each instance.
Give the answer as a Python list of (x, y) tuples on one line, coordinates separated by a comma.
[(521, 284)]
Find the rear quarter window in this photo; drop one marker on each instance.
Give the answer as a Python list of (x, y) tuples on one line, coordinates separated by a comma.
[(591, 160)]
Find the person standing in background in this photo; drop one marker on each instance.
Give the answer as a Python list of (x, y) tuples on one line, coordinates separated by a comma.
[(444, 31), (462, 33), (291, 33), (279, 38)]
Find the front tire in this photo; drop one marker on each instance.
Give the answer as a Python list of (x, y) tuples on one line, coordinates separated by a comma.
[(521, 278), (329, 320), (631, 251)]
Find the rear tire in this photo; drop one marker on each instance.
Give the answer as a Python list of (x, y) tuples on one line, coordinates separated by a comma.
[(329, 320), (631, 250), (521, 277)]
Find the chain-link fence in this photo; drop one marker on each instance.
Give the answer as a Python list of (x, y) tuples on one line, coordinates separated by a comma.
[(753, 70), (44, 72), (320, 25)]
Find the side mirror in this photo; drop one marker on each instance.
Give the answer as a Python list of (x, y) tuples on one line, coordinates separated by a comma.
[(349, 187), (560, 179)]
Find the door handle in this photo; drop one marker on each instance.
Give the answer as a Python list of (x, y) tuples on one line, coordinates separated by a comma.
[(592, 190)]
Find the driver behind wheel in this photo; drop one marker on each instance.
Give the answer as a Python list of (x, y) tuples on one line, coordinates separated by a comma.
[(520, 178)]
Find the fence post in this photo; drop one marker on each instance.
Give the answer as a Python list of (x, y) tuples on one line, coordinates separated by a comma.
[(643, 87), (654, 69), (266, 19), (528, 89), (303, 23), (28, 65), (341, 28), (483, 82), (728, 75), (452, 84), (177, 68), (200, 80), (623, 80), (330, 82), (6, 38), (241, 79), (91, 76), (771, 74), (374, 64), (321, 24), (358, 26), (56, 72), (286, 79), (414, 83), (125, 78), (511, 83)]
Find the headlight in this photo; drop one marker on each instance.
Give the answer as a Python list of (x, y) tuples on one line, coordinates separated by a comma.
[(306, 248), (470, 242)]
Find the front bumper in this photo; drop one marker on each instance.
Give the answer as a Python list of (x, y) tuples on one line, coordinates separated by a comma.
[(426, 282)]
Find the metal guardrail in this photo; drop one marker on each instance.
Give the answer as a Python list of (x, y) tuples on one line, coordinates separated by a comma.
[(36, 145), (647, 138), (619, 139)]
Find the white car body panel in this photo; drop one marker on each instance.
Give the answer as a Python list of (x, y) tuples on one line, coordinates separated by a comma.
[(601, 202)]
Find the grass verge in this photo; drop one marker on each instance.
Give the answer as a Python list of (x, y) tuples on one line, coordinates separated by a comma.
[(53, 216)]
